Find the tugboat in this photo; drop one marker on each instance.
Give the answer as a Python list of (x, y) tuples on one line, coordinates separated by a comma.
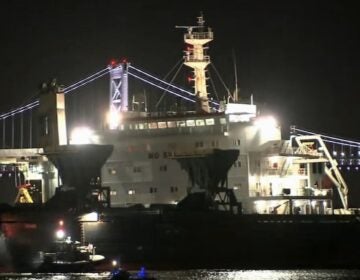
[(66, 255)]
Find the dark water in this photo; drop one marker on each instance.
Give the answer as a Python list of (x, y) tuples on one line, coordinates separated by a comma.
[(209, 275)]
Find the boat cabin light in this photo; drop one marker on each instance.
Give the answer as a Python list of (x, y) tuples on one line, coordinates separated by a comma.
[(90, 217)]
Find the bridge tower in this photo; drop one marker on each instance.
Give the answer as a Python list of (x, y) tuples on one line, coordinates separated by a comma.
[(119, 101), (195, 58), (51, 114)]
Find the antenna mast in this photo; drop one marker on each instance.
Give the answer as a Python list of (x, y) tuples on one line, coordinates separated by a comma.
[(195, 58), (236, 93)]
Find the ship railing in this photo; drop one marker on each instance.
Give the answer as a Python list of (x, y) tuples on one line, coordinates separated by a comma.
[(200, 35), (290, 171), (192, 58)]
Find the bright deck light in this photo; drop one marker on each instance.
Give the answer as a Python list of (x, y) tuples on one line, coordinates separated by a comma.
[(90, 217), (81, 135), (113, 119), (60, 234), (266, 122)]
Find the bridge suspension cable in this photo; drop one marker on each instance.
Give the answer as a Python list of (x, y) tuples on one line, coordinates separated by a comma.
[(19, 110), (160, 81), (87, 80), (161, 87), (150, 79), (66, 90)]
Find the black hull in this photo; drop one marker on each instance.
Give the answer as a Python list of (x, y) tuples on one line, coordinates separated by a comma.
[(173, 239), (220, 240)]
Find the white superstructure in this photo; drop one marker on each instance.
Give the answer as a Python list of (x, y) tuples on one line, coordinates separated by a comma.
[(270, 175)]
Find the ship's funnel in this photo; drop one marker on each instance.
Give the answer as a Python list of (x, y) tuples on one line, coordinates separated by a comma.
[(79, 166)]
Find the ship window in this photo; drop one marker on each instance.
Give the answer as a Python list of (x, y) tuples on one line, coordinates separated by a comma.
[(141, 126), (163, 167), (199, 144), (237, 142), (181, 123), (113, 193), (200, 122), (122, 127), (222, 121), (131, 192), (153, 125), (173, 189), (153, 190), (162, 124), (167, 154), (321, 167), (171, 124), (210, 121), (237, 163), (215, 143), (45, 125), (112, 171), (137, 169), (314, 168), (190, 123)]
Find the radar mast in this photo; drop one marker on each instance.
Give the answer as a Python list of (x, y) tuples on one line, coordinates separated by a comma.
[(196, 37)]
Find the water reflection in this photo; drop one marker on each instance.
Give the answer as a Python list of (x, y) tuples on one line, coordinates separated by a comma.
[(208, 275)]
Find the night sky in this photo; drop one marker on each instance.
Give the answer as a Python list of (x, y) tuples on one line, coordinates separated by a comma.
[(300, 59)]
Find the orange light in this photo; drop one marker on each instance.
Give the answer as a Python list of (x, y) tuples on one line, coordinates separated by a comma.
[(61, 223)]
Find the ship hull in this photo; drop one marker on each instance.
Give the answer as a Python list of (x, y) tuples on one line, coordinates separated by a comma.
[(221, 240), (173, 239)]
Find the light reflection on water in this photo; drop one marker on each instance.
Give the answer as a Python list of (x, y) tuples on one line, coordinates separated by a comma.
[(208, 275)]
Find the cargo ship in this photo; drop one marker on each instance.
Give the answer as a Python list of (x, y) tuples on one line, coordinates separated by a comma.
[(213, 187)]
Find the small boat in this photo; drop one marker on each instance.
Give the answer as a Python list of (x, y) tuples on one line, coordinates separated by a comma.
[(120, 274), (69, 256)]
